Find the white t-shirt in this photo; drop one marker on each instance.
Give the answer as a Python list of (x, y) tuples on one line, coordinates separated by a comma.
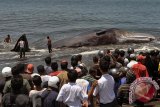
[(72, 95), (21, 44), (105, 88), (131, 63), (83, 84), (33, 94)]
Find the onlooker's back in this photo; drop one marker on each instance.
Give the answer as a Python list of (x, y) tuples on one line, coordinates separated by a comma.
[(50, 94), (48, 68)]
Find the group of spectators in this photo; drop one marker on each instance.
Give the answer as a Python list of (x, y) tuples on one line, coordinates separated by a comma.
[(108, 82)]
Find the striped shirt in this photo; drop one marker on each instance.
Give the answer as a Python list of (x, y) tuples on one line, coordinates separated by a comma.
[(123, 94)]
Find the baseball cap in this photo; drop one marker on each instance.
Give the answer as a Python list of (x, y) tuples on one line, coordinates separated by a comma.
[(34, 74), (6, 72), (140, 57), (30, 68), (52, 82)]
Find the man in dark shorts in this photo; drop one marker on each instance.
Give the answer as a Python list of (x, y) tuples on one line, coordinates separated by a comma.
[(49, 43)]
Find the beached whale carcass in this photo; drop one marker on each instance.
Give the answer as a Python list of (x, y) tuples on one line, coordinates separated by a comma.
[(109, 36)]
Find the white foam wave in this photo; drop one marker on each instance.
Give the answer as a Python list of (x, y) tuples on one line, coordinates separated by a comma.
[(147, 48), (38, 50), (88, 52)]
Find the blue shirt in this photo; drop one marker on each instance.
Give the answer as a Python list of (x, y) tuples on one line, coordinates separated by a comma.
[(49, 98)]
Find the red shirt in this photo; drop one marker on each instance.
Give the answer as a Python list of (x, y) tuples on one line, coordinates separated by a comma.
[(55, 73), (140, 70)]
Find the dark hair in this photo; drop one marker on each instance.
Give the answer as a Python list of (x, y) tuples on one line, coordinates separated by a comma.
[(72, 75), (74, 57), (14, 71), (74, 60), (74, 63), (92, 70), (122, 53), (79, 57), (21, 67), (47, 37), (54, 66), (104, 63), (16, 82), (120, 60), (95, 59), (48, 60), (40, 69), (64, 65), (84, 70), (108, 51), (116, 51), (37, 80), (115, 55)]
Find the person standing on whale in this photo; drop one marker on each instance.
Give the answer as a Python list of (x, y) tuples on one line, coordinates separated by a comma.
[(49, 44)]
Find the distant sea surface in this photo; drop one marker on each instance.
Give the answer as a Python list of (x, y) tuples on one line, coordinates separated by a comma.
[(64, 18)]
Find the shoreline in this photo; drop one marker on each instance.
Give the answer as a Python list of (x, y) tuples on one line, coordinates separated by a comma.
[(36, 56)]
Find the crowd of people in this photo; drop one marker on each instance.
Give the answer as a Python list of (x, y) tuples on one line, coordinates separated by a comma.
[(114, 79)]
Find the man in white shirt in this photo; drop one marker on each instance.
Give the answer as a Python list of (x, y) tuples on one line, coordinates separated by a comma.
[(22, 48), (105, 87), (72, 94)]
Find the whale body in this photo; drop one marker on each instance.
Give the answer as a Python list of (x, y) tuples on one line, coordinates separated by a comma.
[(109, 36)]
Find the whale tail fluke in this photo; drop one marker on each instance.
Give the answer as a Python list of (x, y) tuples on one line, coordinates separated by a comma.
[(17, 48)]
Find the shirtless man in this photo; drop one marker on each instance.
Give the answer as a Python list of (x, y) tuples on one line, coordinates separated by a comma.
[(49, 43), (7, 39)]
